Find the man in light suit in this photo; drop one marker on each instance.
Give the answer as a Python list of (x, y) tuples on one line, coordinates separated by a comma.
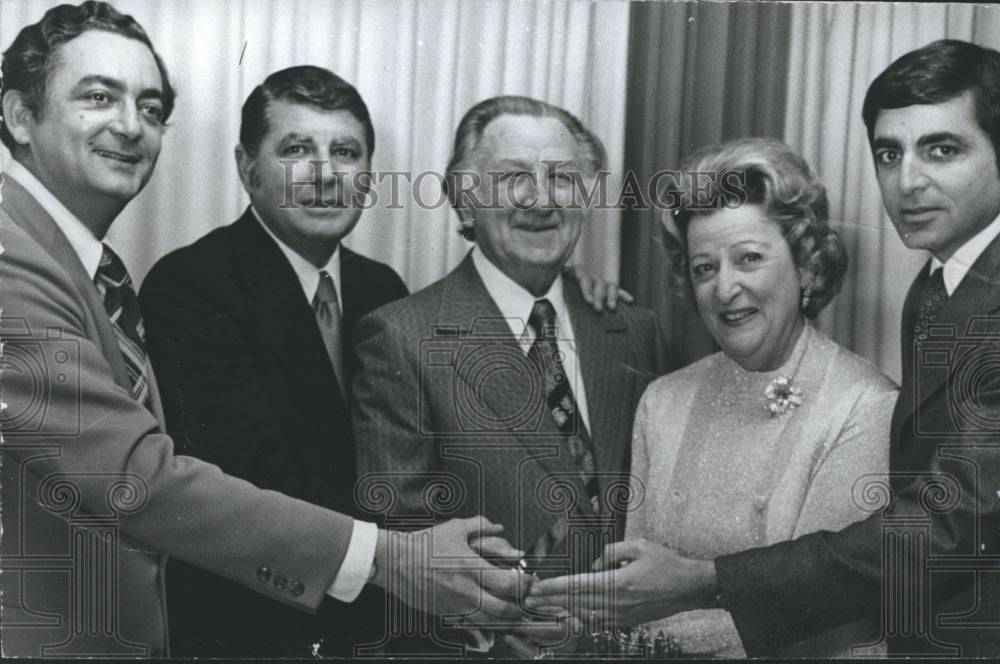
[(252, 377), (496, 390), (93, 496), (926, 560)]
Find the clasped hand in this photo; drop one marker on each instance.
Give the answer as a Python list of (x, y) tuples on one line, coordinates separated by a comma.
[(638, 581), (444, 571)]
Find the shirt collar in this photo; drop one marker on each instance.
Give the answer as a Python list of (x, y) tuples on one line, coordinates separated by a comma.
[(86, 246), (307, 273), (956, 267), (514, 301)]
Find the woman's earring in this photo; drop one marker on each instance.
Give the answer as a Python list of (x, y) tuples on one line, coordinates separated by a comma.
[(806, 297)]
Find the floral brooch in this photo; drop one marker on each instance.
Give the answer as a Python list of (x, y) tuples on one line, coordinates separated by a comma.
[(782, 396)]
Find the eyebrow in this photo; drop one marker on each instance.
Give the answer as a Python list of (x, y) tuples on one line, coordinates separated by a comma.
[(117, 86), (886, 142), (764, 244), (941, 137), (305, 138), (923, 141)]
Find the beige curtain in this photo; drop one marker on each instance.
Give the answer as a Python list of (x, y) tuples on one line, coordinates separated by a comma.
[(836, 50), (419, 65)]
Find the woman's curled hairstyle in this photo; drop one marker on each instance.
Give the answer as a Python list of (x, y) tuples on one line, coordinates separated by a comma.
[(764, 172)]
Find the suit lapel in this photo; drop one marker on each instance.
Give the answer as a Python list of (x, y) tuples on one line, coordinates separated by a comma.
[(285, 319), (468, 310), (355, 298), (977, 296), (599, 353), (32, 217)]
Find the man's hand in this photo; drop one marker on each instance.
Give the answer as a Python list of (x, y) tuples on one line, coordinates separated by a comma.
[(436, 571), (642, 581), (596, 291)]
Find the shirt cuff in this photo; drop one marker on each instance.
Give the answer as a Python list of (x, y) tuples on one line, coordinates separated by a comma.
[(357, 565)]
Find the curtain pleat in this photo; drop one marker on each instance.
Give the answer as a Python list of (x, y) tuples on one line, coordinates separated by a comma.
[(698, 74)]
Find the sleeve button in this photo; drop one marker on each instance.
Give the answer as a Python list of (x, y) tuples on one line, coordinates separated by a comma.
[(280, 582), (297, 589), (263, 572)]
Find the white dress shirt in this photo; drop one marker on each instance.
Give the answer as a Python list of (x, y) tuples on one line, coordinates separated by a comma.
[(357, 565), (515, 303), (956, 267)]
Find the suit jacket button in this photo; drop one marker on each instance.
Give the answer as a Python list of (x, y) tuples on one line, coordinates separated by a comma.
[(263, 572), (280, 582), (297, 589)]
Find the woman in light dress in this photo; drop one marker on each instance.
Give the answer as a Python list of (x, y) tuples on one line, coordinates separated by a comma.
[(765, 440)]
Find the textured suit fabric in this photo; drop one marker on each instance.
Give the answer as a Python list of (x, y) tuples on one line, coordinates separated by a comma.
[(247, 384), (92, 456), (945, 430), (429, 409)]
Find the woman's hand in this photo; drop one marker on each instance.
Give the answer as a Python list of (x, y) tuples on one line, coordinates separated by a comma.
[(641, 582)]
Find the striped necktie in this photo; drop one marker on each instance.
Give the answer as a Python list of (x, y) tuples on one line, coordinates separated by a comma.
[(122, 306)]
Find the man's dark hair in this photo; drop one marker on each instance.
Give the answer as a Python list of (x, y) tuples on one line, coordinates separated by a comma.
[(28, 63), (937, 73), (308, 85)]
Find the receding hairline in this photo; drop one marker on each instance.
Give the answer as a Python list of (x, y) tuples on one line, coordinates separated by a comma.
[(582, 152)]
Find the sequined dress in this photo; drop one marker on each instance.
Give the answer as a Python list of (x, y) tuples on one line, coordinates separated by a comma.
[(719, 474)]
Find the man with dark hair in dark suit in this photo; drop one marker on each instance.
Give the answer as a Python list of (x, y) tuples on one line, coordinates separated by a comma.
[(926, 560), (253, 373)]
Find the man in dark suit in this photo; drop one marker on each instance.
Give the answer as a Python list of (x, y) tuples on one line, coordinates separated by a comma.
[(926, 560), (497, 390), (249, 374), (94, 498)]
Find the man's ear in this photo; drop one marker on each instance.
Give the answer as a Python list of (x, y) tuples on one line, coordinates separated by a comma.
[(247, 167), (17, 116)]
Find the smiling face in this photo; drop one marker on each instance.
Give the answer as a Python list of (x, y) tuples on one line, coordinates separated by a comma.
[(302, 133), (97, 135), (525, 227), (937, 170), (746, 285)]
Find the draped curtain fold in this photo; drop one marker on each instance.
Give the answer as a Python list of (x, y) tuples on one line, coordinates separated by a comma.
[(419, 64), (699, 73), (835, 51)]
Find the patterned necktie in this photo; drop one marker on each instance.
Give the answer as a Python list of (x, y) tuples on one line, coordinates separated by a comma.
[(559, 396), (122, 306), (935, 295), (326, 306)]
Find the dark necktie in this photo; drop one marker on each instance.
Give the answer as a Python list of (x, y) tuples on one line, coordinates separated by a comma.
[(559, 396), (115, 288), (934, 297), (326, 306)]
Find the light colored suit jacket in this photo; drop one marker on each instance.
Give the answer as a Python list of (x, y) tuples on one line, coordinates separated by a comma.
[(93, 496), (445, 413)]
